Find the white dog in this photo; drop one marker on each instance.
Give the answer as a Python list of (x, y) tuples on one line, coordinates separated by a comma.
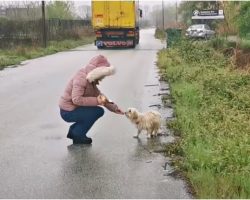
[(149, 121)]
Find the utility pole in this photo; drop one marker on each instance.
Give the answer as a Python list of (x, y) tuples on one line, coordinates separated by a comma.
[(44, 25), (176, 12), (163, 14)]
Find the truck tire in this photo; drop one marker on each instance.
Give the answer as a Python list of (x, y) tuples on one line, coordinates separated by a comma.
[(137, 35), (137, 40), (134, 43)]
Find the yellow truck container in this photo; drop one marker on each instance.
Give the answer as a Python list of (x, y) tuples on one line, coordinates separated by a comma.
[(116, 23)]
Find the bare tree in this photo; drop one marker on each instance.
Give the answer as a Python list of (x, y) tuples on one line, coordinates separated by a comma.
[(21, 10)]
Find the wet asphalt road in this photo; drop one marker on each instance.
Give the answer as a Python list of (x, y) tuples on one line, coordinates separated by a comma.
[(38, 161)]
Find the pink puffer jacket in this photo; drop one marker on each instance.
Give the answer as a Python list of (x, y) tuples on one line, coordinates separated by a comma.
[(81, 89)]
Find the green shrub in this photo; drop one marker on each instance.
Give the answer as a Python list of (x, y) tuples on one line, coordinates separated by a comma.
[(245, 44), (217, 42), (243, 19)]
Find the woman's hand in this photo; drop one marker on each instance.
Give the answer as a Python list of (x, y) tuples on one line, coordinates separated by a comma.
[(102, 100), (119, 111)]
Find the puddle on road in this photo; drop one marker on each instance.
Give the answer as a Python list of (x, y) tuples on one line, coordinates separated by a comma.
[(48, 126), (153, 92), (48, 129), (58, 137)]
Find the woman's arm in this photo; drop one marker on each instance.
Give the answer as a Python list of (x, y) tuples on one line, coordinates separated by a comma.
[(110, 105), (78, 92)]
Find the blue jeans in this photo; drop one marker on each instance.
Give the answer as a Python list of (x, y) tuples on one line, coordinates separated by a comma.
[(84, 117)]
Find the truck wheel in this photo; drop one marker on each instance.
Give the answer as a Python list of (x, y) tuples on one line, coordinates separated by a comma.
[(138, 39), (134, 43)]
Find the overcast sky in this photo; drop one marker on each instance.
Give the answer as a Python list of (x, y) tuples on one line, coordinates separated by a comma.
[(88, 2), (148, 2)]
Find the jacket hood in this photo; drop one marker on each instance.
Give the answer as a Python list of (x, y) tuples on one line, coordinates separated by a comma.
[(98, 68)]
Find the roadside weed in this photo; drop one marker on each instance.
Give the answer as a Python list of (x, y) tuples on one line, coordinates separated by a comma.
[(212, 109)]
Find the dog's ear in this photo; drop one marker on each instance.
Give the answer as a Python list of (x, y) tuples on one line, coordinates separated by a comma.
[(134, 115)]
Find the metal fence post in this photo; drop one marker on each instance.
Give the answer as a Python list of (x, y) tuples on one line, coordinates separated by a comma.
[(44, 25)]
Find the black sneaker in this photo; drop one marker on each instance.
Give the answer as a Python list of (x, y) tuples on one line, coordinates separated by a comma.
[(84, 140), (70, 135)]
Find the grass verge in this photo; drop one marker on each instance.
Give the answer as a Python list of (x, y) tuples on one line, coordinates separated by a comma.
[(19, 54), (212, 108)]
